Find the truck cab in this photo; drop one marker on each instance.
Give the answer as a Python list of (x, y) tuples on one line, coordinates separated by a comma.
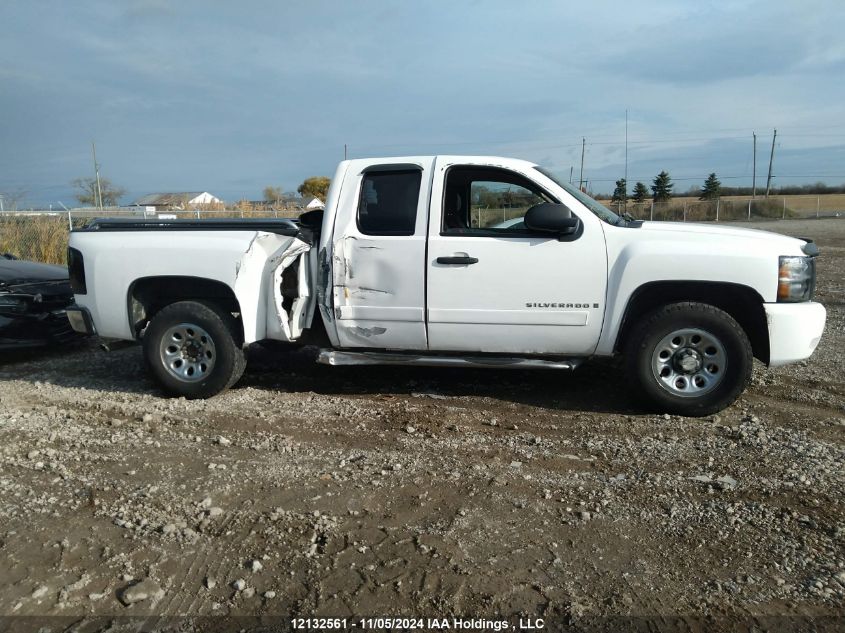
[(431, 253)]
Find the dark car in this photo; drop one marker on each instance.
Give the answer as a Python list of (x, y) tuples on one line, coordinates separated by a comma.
[(33, 298)]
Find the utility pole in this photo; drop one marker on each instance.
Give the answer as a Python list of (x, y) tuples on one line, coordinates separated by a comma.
[(99, 193), (754, 168), (344, 151), (571, 167), (771, 159), (581, 177), (626, 150)]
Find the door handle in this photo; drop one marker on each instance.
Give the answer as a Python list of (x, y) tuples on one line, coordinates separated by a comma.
[(462, 260)]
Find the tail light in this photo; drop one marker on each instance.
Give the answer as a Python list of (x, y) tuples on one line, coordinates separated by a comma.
[(76, 271)]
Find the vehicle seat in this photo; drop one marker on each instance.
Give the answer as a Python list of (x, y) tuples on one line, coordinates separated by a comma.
[(454, 218)]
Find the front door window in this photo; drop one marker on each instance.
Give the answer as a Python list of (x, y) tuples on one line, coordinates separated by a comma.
[(481, 200)]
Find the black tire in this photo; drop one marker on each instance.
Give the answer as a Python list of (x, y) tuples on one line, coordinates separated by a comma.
[(226, 360), (675, 373)]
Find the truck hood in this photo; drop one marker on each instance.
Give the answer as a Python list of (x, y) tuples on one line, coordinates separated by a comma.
[(16, 271), (718, 232)]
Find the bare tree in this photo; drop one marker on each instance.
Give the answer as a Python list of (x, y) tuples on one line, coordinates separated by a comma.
[(87, 192), (11, 198), (272, 195)]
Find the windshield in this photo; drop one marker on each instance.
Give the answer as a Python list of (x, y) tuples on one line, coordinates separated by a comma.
[(596, 207)]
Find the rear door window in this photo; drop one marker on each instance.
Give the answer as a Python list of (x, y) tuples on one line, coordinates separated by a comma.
[(388, 202)]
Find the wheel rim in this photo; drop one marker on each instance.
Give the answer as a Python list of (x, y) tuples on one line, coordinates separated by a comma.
[(689, 362), (187, 351)]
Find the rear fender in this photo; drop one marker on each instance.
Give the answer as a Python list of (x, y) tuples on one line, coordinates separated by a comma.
[(259, 281)]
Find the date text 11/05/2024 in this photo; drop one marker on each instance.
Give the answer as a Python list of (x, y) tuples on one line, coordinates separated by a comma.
[(423, 624)]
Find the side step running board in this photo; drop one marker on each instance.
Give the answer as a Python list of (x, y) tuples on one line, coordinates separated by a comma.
[(339, 358)]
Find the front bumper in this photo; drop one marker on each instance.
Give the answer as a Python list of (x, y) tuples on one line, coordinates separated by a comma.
[(35, 330), (80, 320), (794, 330)]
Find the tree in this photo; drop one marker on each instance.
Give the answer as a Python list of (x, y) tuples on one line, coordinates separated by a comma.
[(712, 188), (272, 195), (640, 192), (662, 187), (11, 198), (620, 194), (316, 187), (88, 194), (483, 197)]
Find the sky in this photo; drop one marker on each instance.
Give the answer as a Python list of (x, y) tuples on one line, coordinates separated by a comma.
[(230, 97)]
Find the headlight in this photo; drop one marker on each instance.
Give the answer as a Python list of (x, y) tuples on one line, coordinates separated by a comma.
[(796, 278), (10, 304)]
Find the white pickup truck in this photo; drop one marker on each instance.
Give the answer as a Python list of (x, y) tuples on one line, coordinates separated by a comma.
[(453, 261)]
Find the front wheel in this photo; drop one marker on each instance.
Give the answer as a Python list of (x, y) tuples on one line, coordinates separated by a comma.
[(191, 350), (689, 358)]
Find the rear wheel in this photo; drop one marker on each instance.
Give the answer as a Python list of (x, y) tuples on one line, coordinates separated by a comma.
[(689, 358), (191, 350)]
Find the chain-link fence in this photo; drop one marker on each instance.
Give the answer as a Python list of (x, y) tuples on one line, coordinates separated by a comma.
[(43, 235), (692, 209), (727, 209), (486, 217)]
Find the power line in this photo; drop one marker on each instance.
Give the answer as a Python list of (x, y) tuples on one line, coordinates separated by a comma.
[(665, 138), (704, 177)]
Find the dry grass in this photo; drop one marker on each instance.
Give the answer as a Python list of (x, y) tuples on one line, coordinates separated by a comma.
[(44, 238), (39, 238)]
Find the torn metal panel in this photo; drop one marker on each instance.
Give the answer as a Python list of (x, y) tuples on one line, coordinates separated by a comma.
[(324, 282), (304, 306), (258, 281), (281, 327)]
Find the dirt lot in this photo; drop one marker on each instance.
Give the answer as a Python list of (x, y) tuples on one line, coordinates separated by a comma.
[(309, 490)]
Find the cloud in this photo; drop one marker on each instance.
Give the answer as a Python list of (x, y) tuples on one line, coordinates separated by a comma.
[(230, 97), (715, 42)]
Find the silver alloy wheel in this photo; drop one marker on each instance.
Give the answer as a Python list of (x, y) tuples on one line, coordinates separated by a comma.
[(187, 351), (689, 362)]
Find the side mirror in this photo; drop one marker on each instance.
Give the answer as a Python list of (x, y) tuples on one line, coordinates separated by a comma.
[(552, 218)]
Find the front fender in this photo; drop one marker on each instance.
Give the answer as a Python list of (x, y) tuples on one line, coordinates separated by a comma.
[(639, 263)]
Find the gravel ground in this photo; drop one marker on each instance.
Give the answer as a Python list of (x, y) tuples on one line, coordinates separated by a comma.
[(313, 490)]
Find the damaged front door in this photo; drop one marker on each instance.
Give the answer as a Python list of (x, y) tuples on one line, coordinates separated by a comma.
[(379, 259)]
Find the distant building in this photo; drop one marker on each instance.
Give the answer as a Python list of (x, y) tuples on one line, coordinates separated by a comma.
[(177, 200), (313, 203), (295, 201)]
